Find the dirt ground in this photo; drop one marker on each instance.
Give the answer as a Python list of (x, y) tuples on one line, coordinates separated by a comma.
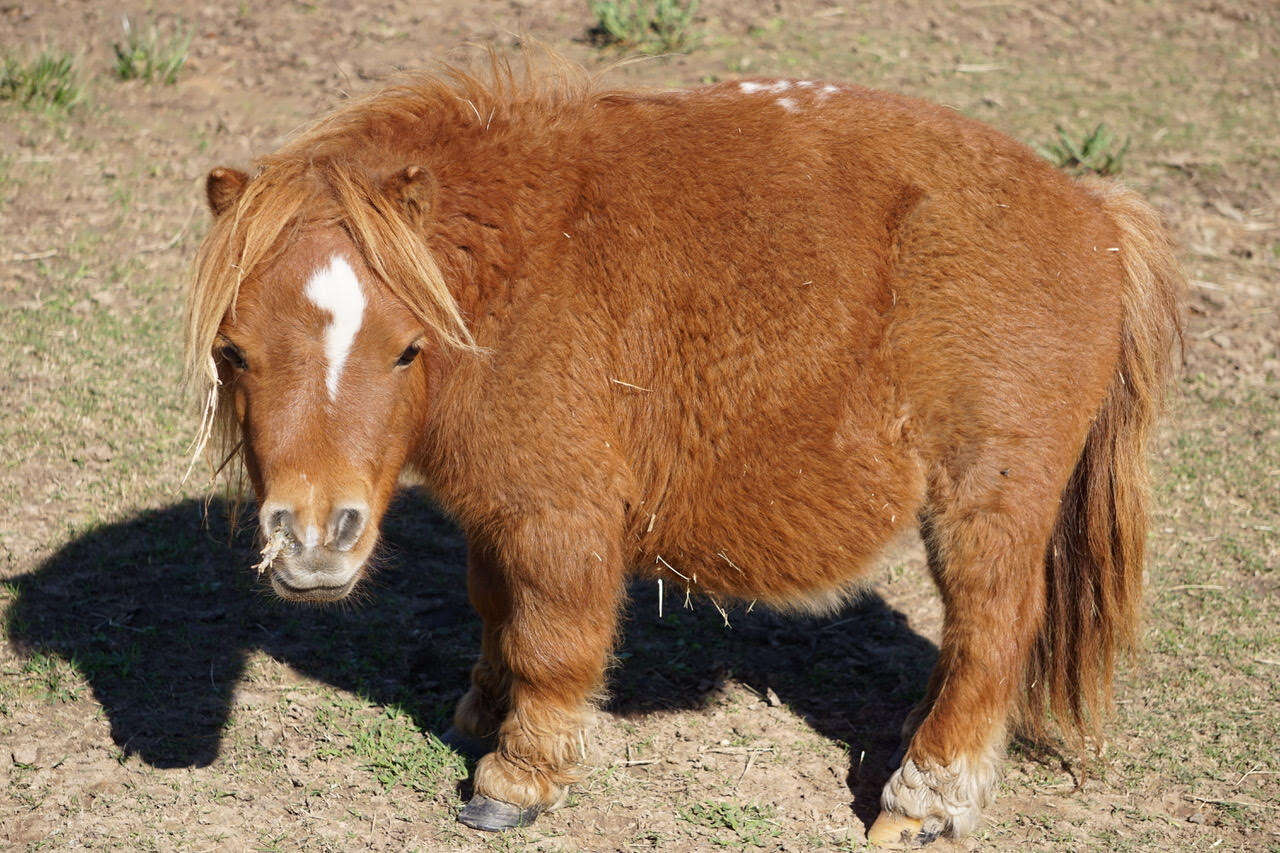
[(152, 696)]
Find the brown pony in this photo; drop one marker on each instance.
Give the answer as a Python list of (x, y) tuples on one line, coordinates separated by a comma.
[(737, 338)]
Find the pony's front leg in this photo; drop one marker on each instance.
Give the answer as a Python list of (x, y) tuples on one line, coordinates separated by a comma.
[(548, 638), (484, 706), (990, 569)]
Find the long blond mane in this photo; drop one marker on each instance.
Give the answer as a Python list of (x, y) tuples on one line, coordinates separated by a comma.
[(323, 176)]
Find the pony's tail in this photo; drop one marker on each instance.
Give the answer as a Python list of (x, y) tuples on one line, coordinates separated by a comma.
[(1094, 562)]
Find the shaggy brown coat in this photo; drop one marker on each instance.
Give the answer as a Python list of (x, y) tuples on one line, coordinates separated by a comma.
[(737, 338)]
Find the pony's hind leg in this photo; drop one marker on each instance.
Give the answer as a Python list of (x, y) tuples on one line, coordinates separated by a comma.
[(987, 557)]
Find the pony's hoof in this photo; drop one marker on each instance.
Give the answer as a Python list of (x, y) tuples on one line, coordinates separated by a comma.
[(492, 815), (896, 829), (470, 748)]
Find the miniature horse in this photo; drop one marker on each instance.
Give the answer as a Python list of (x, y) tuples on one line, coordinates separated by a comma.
[(736, 337)]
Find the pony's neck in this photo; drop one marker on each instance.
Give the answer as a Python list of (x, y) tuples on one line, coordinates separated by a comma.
[(500, 200)]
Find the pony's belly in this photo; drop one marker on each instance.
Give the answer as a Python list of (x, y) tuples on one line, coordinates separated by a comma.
[(793, 531)]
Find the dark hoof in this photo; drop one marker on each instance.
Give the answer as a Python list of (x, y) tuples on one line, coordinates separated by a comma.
[(494, 815), (470, 748), (925, 837)]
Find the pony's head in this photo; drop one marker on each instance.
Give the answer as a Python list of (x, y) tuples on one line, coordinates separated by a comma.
[(314, 297)]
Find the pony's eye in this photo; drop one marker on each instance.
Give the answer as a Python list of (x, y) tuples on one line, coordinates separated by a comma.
[(409, 354), (232, 355)]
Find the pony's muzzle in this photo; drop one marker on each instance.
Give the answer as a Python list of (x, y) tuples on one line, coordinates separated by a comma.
[(314, 565)]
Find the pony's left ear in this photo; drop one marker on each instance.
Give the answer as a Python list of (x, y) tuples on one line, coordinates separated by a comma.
[(223, 187), (414, 189)]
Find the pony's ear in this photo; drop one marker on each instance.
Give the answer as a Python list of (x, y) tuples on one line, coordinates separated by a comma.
[(414, 189), (223, 187)]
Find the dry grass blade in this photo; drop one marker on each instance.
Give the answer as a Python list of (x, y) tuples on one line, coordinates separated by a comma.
[(723, 613), (30, 256), (671, 568), (629, 385), (751, 758), (1242, 803), (722, 555)]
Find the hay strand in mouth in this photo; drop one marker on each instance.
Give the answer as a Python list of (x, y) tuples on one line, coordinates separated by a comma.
[(270, 551)]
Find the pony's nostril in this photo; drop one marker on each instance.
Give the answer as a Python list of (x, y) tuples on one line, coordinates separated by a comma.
[(281, 520), (346, 526)]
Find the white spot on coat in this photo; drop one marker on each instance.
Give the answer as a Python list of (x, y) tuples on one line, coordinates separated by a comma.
[(336, 290), (787, 104), (749, 88)]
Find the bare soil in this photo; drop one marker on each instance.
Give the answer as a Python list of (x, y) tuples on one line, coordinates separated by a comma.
[(152, 695)]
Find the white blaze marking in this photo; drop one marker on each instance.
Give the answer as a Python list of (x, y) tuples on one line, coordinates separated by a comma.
[(336, 289)]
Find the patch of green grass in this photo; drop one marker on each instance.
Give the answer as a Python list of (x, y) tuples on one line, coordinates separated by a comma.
[(651, 26), (6, 178), (398, 753), (1098, 152), (110, 663), (144, 55), (54, 678), (751, 824), (49, 80)]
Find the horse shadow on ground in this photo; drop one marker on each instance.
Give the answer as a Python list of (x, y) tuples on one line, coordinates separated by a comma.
[(159, 615)]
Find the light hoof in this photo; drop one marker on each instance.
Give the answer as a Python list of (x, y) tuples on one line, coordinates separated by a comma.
[(891, 828), (490, 815), (470, 748)]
